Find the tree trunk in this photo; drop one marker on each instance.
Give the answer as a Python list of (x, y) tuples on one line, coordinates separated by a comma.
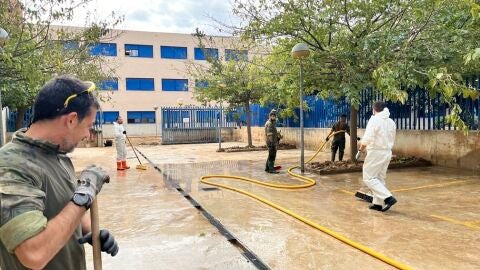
[(20, 115), (353, 132), (249, 124)]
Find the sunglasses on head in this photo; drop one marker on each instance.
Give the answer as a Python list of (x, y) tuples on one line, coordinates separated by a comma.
[(89, 90)]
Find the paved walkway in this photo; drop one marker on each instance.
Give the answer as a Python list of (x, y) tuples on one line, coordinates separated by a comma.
[(435, 225)]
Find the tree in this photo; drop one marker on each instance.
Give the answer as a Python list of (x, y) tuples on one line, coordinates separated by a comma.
[(37, 49), (389, 45), (237, 81)]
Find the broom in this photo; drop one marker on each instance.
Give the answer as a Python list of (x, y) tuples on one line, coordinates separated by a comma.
[(139, 166)]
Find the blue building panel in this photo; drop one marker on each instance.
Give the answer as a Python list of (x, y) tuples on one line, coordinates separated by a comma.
[(201, 84), (108, 84), (140, 84), (137, 50), (141, 117), (108, 117), (204, 53), (103, 49), (174, 85), (70, 45), (171, 52), (236, 55)]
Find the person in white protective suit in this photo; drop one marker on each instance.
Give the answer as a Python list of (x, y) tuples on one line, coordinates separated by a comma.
[(378, 140), (120, 144)]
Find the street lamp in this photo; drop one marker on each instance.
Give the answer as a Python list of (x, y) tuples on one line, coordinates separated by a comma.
[(3, 39), (220, 118), (180, 102), (301, 51), (156, 121)]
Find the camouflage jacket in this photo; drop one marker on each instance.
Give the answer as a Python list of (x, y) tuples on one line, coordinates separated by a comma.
[(36, 183), (271, 133)]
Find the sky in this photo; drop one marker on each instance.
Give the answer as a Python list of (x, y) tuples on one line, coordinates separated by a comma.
[(176, 16)]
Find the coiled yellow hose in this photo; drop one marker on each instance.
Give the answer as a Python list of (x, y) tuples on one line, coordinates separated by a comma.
[(307, 182)]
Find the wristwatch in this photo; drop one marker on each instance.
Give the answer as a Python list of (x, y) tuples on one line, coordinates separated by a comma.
[(81, 200)]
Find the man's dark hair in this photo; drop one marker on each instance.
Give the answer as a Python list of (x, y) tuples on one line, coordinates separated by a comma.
[(343, 116), (49, 103), (379, 106)]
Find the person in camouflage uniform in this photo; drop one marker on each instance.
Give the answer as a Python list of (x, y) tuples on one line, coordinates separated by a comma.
[(338, 142), (272, 138), (43, 220)]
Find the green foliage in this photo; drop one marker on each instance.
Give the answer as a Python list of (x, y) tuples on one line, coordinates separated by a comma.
[(391, 45), (35, 50), (239, 83)]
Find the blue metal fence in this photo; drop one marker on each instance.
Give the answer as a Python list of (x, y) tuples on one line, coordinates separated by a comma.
[(12, 118), (420, 111), (320, 113), (193, 125)]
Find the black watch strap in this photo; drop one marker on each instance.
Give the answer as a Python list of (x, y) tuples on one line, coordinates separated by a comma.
[(81, 200)]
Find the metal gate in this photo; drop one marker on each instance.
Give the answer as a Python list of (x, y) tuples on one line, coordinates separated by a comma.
[(193, 124)]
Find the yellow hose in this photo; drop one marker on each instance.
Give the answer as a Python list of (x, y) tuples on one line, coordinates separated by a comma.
[(307, 182)]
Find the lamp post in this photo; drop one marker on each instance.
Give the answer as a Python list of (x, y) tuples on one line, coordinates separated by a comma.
[(220, 118), (3, 38), (156, 121), (301, 51)]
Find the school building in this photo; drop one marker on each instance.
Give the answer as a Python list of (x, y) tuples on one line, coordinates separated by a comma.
[(151, 72)]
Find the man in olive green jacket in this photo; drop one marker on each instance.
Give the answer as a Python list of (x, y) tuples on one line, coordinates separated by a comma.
[(271, 137), (43, 205)]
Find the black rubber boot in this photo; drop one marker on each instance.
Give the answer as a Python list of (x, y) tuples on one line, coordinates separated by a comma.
[(333, 156), (364, 196), (340, 156), (375, 207), (389, 202), (271, 168)]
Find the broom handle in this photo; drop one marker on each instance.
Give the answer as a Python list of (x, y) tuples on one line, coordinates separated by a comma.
[(133, 149), (97, 252)]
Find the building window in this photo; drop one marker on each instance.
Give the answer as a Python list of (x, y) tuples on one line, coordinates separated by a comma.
[(204, 53), (70, 45), (108, 84), (134, 50), (201, 83), (170, 52), (174, 85), (140, 84), (141, 117), (236, 55), (108, 117), (104, 49)]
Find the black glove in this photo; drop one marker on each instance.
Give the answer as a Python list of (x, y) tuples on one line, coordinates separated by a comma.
[(91, 181), (108, 243), (328, 138), (358, 139), (124, 132)]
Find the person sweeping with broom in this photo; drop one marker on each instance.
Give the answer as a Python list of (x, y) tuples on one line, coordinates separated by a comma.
[(120, 144)]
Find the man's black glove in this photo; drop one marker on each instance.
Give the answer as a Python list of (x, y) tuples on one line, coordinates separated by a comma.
[(108, 243), (328, 138), (124, 132)]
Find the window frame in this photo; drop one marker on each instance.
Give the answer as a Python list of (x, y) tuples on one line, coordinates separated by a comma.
[(131, 80), (164, 55), (150, 113)]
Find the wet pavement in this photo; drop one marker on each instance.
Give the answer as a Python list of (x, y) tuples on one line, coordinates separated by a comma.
[(435, 225)]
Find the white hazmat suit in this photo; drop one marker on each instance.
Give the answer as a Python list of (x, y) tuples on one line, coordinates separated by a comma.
[(379, 138), (120, 142)]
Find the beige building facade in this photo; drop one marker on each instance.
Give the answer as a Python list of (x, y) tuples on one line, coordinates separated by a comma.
[(151, 72)]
